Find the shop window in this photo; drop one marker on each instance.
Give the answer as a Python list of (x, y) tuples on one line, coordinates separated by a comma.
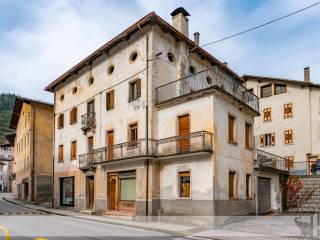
[(184, 185), (67, 191), (127, 186)]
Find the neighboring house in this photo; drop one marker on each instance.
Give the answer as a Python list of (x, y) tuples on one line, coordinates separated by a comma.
[(151, 123), (5, 165), (33, 121), (289, 121)]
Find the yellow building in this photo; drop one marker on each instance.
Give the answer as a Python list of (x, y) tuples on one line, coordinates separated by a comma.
[(33, 149)]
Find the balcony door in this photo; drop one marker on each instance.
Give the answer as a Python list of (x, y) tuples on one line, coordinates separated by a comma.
[(90, 107), (184, 131), (110, 143), (90, 113), (90, 149)]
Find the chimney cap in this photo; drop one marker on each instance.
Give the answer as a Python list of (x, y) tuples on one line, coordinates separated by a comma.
[(180, 10)]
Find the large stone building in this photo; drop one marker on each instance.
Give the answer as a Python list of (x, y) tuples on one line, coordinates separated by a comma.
[(5, 166), (33, 121), (151, 123), (289, 121)]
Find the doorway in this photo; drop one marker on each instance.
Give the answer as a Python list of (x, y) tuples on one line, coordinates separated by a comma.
[(112, 191), (184, 131), (26, 190), (90, 192)]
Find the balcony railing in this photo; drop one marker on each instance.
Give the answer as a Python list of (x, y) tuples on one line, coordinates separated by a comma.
[(88, 120), (207, 79), (191, 143), (266, 159)]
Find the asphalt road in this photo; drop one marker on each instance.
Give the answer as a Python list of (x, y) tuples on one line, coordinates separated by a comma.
[(22, 223)]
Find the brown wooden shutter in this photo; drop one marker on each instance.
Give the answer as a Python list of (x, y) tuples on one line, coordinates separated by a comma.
[(73, 150), (184, 131), (75, 114), (60, 120), (261, 140), (112, 99), (60, 155), (273, 140), (231, 128), (138, 88), (231, 184)]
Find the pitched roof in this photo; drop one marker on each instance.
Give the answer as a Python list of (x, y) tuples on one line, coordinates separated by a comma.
[(18, 103), (150, 18), (246, 77)]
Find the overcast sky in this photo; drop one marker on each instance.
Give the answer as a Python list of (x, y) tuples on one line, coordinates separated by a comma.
[(41, 39)]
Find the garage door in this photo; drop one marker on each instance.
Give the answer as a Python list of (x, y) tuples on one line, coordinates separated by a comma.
[(264, 195)]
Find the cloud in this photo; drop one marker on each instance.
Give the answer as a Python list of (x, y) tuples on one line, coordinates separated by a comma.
[(40, 40)]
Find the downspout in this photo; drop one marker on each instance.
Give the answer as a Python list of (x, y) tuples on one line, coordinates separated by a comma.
[(53, 147), (33, 142), (147, 119), (311, 151)]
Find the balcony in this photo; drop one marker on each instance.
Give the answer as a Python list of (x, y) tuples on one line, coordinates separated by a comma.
[(192, 143), (213, 78), (88, 121), (268, 161)]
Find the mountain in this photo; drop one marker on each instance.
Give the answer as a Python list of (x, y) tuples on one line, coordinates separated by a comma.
[(6, 106)]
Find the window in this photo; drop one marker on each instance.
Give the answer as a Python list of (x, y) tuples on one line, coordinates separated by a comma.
[(73, 150), (267, 140), (280, 88), (133, 56), (192, 70), (231, 129), (209, 80), (73, 116), (266, 91), (134, 90), (232, 184), (110, 69), (289, 162), (110, 100), (248, 135), (267, 114), (170, 56), (133, 134), (288, 137), (127, 186), (61, 97), (74, 90), (287, 110), (250, 90), (60, 121), (60, 156), (248, 186), (184, 185)]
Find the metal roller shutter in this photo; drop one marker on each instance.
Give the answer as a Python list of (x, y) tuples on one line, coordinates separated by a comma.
[(264, 195)]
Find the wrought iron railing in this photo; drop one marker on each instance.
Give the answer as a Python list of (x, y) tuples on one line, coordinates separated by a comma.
[(270, 160), (193, 142), (210, 78), (88, 120)]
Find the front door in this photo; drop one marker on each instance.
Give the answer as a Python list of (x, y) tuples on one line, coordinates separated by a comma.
[(110, 142), (184, 131), (90, 149), (112, 191), (90, 193), (26, 190)]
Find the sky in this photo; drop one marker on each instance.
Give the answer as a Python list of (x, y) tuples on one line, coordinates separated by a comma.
[(42, 39)]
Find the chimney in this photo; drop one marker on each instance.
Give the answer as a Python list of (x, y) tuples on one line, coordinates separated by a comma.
[(307, 74), (196, 38), (180, 20), (225, 63)]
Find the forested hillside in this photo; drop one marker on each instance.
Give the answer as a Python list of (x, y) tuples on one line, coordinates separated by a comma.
[(6, 105)]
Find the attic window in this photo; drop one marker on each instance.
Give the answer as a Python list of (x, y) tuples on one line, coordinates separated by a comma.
[(61, 97), (133, 56), (110, 69), (91, 80), (74, 90), (170, 56), (192, 70)]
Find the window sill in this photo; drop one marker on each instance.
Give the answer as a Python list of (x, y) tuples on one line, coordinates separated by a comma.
[(266, 121), (249, 148), (288, 144), (132, 100), (287, 117), (232, 142), (109, 109), (233, 199), (184, 198)]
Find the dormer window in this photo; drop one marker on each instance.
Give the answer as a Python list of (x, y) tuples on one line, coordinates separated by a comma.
[(266, 91), (280, 88)]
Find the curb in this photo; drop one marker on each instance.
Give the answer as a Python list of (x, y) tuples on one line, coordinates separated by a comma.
[(172, 233)]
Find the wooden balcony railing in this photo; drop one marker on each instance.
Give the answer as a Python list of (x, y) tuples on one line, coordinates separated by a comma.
[(88, 120), (191, 143), (208, 79)]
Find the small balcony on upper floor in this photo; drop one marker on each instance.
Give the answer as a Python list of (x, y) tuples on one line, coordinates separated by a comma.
[(193, 143), (269, 162), (88, 122), (205, 81)]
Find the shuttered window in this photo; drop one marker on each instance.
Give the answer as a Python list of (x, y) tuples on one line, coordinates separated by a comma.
[(266, 91), (267, 140), (267, 114), (248, 135), (110, 100), (231, 129), (73, 116), (184, 131), (184, 185), (133, 134), (73, 150), (248, 186), (287, 110), (60, 121), (134, 90), (61, 152), (289, 162), (288, 137), (280, 88), (232, 184)]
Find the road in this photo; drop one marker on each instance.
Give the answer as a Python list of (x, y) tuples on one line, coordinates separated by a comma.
[(22, 223)]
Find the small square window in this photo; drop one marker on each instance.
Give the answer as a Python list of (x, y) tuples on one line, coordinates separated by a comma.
[(287, 110), (184, 185)]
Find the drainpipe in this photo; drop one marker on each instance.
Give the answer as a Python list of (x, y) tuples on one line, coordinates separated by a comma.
[(32, 166), (53, 147)]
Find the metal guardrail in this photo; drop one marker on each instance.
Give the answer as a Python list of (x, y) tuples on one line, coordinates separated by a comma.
[(214, 77), (193, 142), (270, 160), (88, 120)]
